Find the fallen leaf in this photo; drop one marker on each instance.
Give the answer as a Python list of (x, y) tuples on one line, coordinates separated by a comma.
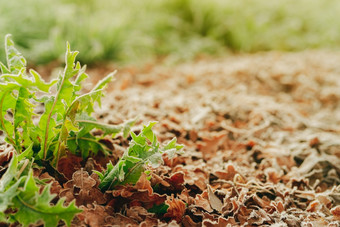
[(176, 208), (68, 164), (215, 202)]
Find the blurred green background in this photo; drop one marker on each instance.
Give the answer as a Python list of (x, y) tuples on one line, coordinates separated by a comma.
[(129, 31)]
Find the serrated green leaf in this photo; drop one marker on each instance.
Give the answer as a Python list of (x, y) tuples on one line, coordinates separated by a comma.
[(8, 189), (23, 113), (7, 102), (148, 133), (32, 206), (15, 60), (111, 175), (7, 196), (127, 127), (103, 82), (39, 83), (80, 77), (144, 150)]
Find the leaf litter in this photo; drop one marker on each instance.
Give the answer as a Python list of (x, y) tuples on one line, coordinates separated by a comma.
[(262, 145)]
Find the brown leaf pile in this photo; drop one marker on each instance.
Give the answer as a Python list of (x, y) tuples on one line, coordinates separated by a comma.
[(262, 145), (261, 135)]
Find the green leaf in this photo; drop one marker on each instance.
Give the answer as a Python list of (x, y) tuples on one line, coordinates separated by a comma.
[(87, 125), (159, 209), (27, 153), (4, 68), (8, 190), (7, 196), (15, 60), (7, 102), (148, 133), (9, 174), (103, 82), (40, 83), (32, 206), (23, 114), (144, 150)]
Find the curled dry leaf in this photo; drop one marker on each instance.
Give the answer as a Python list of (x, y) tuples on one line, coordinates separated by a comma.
[(176, 208), (211, 144), (141, 191), (221, 222), (97, 216), (202, 201), (138, 213), (188, 222), (227, 174), (175, 181), (193, 176), (68, 164), (55, 187), (92, 216), (83, 188)]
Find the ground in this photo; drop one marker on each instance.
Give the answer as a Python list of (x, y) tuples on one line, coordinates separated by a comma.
[(261, 136)]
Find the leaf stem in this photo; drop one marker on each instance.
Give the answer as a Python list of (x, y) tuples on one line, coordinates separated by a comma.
[(50, 115)]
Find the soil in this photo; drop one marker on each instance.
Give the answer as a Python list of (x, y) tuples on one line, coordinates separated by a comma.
[(261, 135)]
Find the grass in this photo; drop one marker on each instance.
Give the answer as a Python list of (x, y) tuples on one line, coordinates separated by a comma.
[(133, 31)]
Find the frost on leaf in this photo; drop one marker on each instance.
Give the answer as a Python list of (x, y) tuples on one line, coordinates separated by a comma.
[(141, 192), (83, 188), (176, 208)]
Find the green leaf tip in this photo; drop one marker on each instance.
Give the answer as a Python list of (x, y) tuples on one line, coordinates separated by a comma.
[(15, 60)]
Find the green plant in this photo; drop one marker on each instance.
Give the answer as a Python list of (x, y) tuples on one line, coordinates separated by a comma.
[(144, 150), (21, 200), (64, 125), (66, 121)]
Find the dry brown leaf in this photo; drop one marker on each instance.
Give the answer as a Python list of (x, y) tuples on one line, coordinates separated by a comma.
[(220, 222), (83, 188), (6, 153), (258, 217), (215, 202), (202, 201), (193, 176), (144, 184), (176, 209), (69, 164), (314, 206), (175, 181), (150, 222), (188, 222), (227, 174), (55, 187), (138, 213), (141, 192), (210, 145), (93, 216)]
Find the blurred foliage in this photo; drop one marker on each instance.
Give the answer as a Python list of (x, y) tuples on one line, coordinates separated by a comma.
[(133, 30)]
